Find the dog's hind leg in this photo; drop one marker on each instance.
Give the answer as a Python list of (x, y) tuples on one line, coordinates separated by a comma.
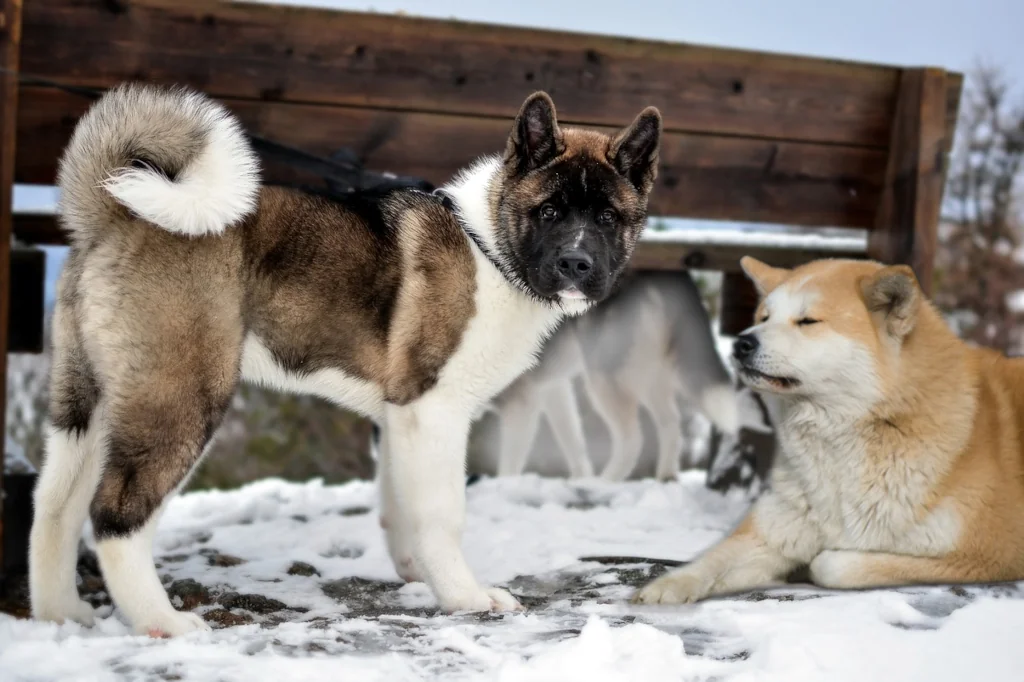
[(157, 432), (66, 485), (668, 422), (563, 415), (853, 570), (519, 419), (621, 412)]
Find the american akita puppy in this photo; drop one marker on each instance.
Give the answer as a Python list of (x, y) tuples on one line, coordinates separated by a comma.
[(901, 457), (185, 277)]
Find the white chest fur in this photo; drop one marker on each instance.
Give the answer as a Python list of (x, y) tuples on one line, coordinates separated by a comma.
[(858, 499), (500, 342)]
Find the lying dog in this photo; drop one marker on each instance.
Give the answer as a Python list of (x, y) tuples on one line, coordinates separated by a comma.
[(649, 346), (901, 456), (185, 277)]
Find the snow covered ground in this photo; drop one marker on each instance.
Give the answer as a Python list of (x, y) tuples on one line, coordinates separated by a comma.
[(296, 577)]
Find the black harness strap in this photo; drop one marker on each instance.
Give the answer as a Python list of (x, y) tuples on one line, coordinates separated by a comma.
[(449, 203)]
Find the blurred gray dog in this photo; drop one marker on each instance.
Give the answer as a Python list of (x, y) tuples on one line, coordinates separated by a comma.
[(648, 346)]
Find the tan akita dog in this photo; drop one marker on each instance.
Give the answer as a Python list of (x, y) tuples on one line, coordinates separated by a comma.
[(902, 458)]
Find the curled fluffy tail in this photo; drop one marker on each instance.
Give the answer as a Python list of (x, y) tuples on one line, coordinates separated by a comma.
[(173, 157)]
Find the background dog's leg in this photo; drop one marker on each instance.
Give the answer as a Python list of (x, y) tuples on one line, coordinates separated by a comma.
[(426, 448), (621, 412), (668, 422), (154, 442), (66, 485), (845, 569), (564, 418), (519, 419), (744, 560)]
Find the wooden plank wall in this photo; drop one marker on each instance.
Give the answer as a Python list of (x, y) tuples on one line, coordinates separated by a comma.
[(749, 136), (10, 38)]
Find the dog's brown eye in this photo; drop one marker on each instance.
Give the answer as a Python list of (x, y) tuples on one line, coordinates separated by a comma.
[(606, 216), (804, 321), (548, 212), (763, 320)]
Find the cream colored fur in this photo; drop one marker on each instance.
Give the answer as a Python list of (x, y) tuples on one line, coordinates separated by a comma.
[(901, 458)]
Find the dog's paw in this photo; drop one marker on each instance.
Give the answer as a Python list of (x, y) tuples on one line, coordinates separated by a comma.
[(492, 599), (666, 475), (680, 587), (836, 569), (502, 600), (74, 609), (172, 624), (407, 571)]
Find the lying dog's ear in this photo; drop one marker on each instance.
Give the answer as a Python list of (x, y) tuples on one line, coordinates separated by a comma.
[(764, 276), (536, 138), (634, 151), (893, 295)]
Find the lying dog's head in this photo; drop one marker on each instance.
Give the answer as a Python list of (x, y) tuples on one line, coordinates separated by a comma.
[(571, 203), (828, 328)]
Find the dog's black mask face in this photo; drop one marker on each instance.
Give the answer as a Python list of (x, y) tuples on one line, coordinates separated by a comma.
[(574, 202)]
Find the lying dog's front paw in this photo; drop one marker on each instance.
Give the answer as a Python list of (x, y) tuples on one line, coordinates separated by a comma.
[(492, 599), (836, 569), (681, 587)]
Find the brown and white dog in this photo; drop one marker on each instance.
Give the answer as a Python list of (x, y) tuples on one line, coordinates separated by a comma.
[(901, 459), (186, 277)]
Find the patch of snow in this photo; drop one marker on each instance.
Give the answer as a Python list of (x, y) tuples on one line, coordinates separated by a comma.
[(1015, 301), (531, 535)]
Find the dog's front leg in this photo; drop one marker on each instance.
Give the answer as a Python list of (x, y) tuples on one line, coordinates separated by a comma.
[(426, 449), (771, 541)]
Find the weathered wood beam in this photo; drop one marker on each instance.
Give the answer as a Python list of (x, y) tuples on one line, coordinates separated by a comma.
[(701, 176), (10, 41), (906, 226)]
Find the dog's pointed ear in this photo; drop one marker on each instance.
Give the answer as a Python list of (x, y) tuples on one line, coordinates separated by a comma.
[(764, 276), (536, 138), (894, 296), (634, 151)]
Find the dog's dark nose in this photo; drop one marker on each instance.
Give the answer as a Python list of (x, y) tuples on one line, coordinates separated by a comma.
[(575, 265), (745, 346)]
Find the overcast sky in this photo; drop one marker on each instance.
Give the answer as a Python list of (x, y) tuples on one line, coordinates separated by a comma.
[(952, 34)]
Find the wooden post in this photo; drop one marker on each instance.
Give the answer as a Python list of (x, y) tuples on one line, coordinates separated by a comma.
[(739, 301), (10, 42), (906, 224)]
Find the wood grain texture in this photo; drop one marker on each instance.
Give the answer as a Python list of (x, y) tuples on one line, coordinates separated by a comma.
[(10, 40), (723, 257), (906, 226), (701, 176), (301, 55)]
